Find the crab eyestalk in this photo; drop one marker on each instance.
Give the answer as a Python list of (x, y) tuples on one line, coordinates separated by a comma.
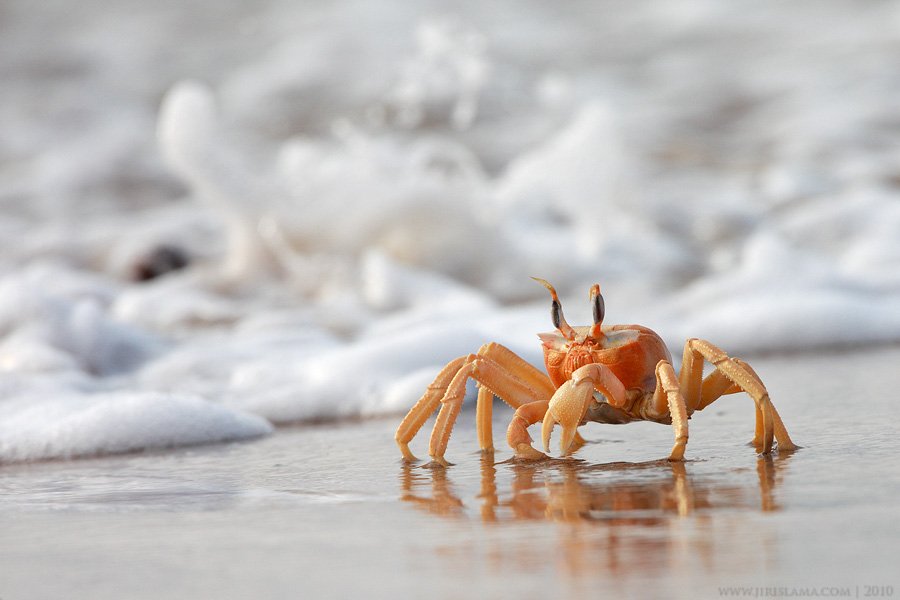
[(598, 311), (559, 321)]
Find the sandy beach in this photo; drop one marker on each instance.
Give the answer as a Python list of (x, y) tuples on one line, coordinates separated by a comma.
[(329, 511)]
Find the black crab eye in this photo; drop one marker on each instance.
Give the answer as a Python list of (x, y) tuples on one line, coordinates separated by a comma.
[(556, 314), (598, 308)]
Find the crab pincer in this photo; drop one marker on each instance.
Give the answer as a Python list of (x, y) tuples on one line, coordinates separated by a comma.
[(570, 403)]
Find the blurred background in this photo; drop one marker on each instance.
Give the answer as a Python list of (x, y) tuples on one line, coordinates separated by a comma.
[(228, 202)]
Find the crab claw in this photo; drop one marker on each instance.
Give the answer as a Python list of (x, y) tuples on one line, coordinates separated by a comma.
[(571, 401), (567, 407)]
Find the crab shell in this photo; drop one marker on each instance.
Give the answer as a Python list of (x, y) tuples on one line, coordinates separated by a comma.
[(630, 351)]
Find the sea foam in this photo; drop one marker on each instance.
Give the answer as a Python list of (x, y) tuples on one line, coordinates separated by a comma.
[(356, 207)]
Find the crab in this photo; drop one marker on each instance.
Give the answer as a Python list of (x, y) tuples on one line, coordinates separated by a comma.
[(601, 373)]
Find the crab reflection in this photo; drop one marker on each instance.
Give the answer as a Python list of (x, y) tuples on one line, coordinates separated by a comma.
[(572, 490), (670, 519)]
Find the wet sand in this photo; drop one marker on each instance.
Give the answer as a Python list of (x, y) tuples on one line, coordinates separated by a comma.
[(329, 511)]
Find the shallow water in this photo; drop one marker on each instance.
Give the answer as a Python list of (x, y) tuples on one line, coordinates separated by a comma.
[(330, 511)]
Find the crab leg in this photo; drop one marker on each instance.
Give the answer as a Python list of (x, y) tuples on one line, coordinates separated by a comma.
[(521, 369), (731, 375), (717, 384), (667, 396), (492, 376), (484, 411), (498, 370), (517, 435), (781, 434), (570, 402), (426, 405)]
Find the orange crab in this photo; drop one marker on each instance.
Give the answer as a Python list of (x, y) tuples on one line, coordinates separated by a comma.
[(602, 373)]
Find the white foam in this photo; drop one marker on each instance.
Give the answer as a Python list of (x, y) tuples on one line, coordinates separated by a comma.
[(53, 318), (360, 206), (71, 425)]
